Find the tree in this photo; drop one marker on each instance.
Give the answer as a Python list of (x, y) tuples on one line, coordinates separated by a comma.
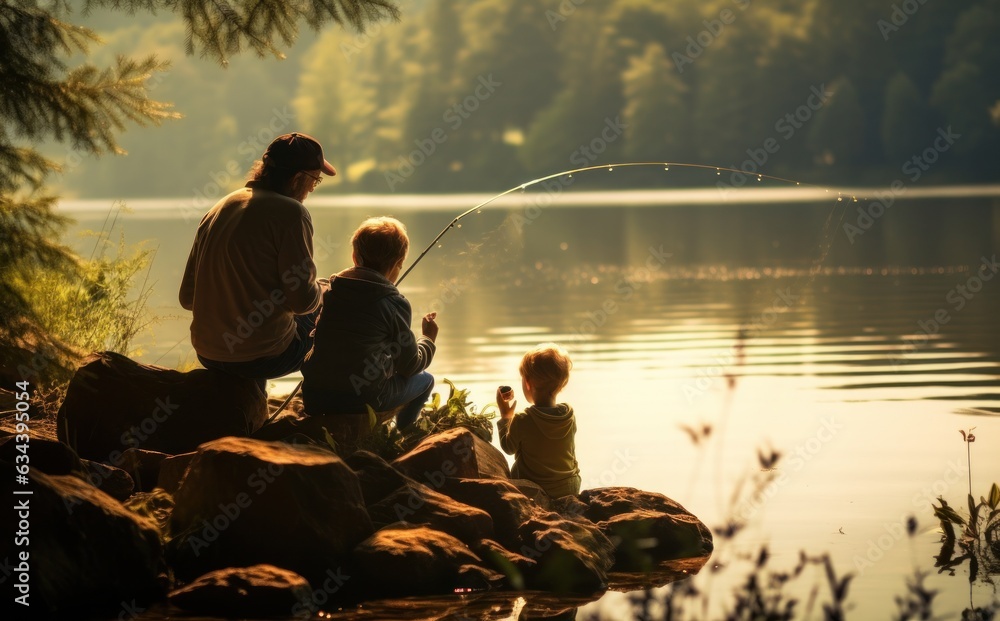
[(905, 120), (655, 114), (43, 98), (837, 134), (965, 93)]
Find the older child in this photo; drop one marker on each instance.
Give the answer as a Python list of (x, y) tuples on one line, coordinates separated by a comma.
[(542, 437), (364, 351)]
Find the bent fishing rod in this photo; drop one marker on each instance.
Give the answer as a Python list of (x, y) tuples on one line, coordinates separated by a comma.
[(566, 173)]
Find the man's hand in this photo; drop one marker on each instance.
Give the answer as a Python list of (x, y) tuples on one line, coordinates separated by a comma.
[(506, 407), (429, 326)]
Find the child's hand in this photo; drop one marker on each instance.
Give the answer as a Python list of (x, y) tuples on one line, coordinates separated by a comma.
[(429, 326), (506, 407)]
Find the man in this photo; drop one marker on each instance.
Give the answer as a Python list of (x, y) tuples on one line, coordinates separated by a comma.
[(250, 279)]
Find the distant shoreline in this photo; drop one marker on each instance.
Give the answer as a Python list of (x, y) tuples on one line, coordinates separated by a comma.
[(603, 198)]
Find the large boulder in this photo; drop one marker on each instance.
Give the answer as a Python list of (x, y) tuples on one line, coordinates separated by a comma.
[(46, 456), (257, 591), (418, 504), (453, 453), (420, 561), (378, 479), (643, 538), (573, 556), (535, 492), (515, 567), (172, 470), (646, 527), (114, 403), (114, 482), (606, 502), (247, 502), (508, 507), (87, 553), (56, 458)]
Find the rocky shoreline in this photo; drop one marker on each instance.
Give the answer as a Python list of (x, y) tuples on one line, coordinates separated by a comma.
[(287, 529), (134, 509)]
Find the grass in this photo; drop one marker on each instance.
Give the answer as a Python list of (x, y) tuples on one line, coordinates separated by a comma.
[(389, 442)]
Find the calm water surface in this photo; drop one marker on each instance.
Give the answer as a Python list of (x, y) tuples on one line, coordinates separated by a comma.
[(857, 357)]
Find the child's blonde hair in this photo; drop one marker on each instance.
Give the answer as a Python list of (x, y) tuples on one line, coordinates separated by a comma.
[(546, 368), (379, 243)]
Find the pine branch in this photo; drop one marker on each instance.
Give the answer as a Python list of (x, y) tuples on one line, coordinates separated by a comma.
[(222, 28)]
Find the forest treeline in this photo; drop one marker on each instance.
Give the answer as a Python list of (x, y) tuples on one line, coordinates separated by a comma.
[(479, 95)]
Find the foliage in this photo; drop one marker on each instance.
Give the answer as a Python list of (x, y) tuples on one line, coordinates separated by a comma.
[(155, 506), (979, 538), (642, 61), (390, 442), (84, 107)]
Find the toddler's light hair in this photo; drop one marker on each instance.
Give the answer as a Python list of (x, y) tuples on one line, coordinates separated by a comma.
[(546, 368)]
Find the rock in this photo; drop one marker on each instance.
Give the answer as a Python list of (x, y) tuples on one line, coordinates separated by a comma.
[(572, 556), (246, 502), (534, 491), (46, 456), (453, 453), (606, 502), (114, 482), (172, 471), (88, 554), (378, 479), (569, 507), (143, 466), (114, 403), (643, 538), (256, 591), (512, 565), (647, 527), (508, 507), (420, 560), (156, 506), (418, 504)]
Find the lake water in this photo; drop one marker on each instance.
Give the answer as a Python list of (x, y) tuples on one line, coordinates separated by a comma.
[(858, 355)]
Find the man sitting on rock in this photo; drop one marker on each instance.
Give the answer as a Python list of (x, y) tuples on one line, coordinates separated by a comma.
[(250, 279), (365, 353)]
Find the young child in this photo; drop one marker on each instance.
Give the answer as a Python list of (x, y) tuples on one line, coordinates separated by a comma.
[(542, 437), (364, 352)]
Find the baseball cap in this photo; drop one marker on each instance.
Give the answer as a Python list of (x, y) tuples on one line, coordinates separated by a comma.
[(297, 151)]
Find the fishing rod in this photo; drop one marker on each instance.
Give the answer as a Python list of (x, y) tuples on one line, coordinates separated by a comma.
[(521, 187)]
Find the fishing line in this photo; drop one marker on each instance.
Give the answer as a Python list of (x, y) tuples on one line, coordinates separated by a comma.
[(569, 173)]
